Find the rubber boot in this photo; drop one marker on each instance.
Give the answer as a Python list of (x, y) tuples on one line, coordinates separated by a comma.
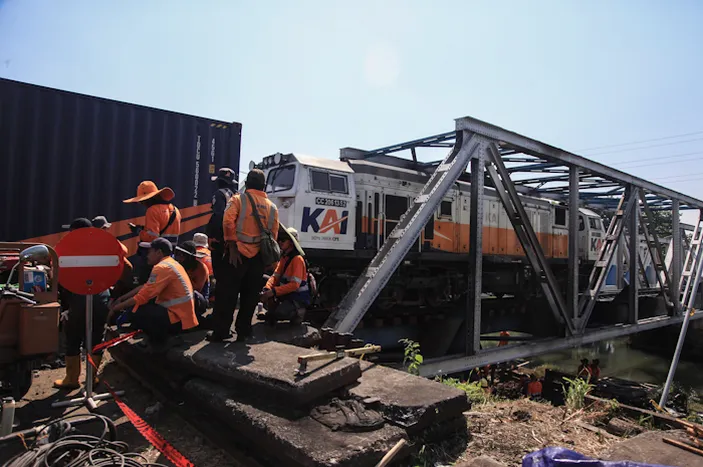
[(73, 371), (97, 358)]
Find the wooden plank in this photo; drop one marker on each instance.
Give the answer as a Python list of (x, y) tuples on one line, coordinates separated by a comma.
[(684, 446), (661, 418)]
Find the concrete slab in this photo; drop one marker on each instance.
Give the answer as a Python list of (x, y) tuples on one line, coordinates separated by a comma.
[(300, 335), (650, 449), (267, 368), (295, 441), (409, 401)]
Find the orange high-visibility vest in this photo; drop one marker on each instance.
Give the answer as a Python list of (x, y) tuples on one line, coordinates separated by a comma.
[(170, 285), (239, 224), (207, 259), (156, 219)]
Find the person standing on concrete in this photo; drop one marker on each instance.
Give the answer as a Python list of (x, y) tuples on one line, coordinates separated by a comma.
[(74, 324), (243, 271), (226, 186)]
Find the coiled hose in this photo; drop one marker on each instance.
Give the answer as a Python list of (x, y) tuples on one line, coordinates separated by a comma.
[(60, 444)]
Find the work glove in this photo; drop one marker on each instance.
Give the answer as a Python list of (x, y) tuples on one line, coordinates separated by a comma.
[(123, 318), (64, 315)]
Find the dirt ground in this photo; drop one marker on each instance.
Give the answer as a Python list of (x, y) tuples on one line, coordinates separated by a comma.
[(35, 408), (507, 430)]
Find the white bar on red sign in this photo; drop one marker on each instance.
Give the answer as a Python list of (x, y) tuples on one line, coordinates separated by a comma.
[(89, 261)]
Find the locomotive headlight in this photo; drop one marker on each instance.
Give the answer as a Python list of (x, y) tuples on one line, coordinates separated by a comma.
[(286, 204), (277, 158)]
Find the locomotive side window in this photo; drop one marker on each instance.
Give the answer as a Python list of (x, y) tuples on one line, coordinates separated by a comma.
[(445, 209), (280, 179), (582, 226), (324, 181), (320, 180), (338, 184), (560, 216)]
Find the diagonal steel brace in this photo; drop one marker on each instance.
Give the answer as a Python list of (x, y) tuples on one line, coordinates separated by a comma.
[(526, 234)]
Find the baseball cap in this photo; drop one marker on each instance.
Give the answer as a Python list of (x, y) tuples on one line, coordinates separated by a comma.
[(162, 245), (226, 175), (101, 222), (79, 223)]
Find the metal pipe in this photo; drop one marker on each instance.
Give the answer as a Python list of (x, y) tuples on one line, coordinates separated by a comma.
[(682, 335), (88, 346)]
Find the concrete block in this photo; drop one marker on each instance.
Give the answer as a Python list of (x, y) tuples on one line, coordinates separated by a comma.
[(409, 401), (298, 441)]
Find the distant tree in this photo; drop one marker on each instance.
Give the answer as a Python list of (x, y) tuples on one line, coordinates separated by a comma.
[(663, 223)]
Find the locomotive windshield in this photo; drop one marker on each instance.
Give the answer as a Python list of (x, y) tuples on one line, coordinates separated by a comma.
[(280, 179)]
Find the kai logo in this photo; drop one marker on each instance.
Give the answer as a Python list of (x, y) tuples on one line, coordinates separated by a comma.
[(330, 221), (596, 244)]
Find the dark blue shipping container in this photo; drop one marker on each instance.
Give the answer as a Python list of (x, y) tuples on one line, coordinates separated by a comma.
[(66, 155)]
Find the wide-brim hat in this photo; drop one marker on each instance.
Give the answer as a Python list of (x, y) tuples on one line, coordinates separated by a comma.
[(290, 232), (148, 189), (194, 255), (101, 222)]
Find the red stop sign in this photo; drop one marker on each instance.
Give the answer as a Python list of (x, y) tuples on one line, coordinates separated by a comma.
[(90, 261)]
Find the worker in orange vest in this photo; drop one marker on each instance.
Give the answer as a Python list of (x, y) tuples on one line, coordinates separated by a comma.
[(584, 370), (162, 218), (534, 388), (164, 305), (287, 292), (243, 270), (205, 255), (197, 273), (595, 370), (503, 334)]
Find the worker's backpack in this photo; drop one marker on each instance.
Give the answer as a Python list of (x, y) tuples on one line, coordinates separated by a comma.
[(268, 248)]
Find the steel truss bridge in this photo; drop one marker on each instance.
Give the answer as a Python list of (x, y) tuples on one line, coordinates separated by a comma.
[(513, 164)]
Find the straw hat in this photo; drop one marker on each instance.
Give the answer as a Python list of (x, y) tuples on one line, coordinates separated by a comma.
[(148, 189), (291, 233)]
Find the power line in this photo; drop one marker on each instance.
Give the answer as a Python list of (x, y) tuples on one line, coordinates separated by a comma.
[(642, 141), (645, 147), (663, 159)]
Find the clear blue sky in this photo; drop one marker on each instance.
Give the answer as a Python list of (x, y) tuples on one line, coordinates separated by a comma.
[(315, 76)]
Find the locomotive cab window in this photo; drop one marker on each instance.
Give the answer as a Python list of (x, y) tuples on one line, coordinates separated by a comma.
[(593, 223), (582, 226), (325, 181), (280, 179), (445, 209), (560, 216)]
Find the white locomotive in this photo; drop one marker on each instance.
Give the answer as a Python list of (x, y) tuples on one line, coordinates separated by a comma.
[(344, 209)]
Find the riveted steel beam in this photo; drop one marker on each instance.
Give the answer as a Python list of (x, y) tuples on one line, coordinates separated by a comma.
[(526, 234)]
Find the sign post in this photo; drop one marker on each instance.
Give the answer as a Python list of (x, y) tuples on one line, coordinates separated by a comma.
[(90, 262)]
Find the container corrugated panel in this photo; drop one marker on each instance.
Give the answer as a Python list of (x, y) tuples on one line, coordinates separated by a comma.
[(65, 155)]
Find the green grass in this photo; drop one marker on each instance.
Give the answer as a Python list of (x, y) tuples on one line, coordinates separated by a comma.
[(575, 392), (473, 390)]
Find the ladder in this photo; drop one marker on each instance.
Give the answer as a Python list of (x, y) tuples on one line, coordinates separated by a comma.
[(692, 266), (626, 208), (655, 250), (366, 289)]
